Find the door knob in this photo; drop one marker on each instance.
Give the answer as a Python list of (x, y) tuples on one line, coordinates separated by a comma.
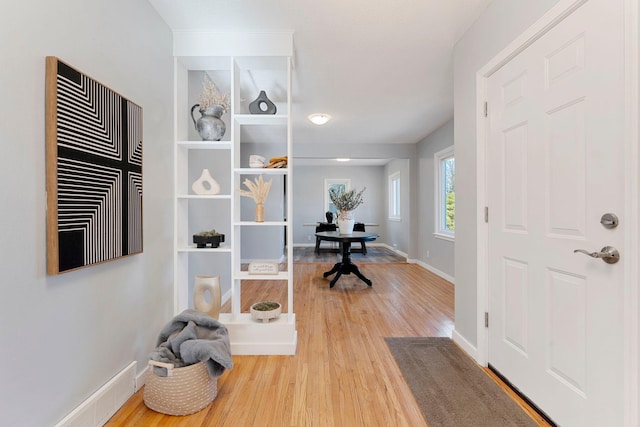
[(608, 254), (609, 220)]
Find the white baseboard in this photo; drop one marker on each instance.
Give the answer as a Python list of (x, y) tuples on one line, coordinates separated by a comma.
[(468, 348), (101, 405), (141, 378), (434, 270), (391, 248)]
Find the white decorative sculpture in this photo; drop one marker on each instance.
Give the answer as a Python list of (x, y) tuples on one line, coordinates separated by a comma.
[(210, 284), (205, 185), (256, 161)]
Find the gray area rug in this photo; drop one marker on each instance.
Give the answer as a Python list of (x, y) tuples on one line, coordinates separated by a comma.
[(450, 388)]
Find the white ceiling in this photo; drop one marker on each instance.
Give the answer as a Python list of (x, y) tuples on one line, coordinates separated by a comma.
[(382, 70)]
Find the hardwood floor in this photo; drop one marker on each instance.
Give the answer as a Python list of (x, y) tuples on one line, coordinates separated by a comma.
[(343, 373)]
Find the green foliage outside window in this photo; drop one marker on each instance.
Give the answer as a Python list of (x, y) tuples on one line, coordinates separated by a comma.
[(450, 210), (450, 192)]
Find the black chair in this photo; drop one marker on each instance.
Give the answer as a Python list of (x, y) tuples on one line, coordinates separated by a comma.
[(359, 226), (323, 226)]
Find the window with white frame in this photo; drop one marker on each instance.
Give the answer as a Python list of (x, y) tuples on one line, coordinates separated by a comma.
[(445, 193), (394, 196)]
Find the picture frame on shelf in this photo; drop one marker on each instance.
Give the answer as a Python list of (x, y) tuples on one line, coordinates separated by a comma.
[(263, 267)]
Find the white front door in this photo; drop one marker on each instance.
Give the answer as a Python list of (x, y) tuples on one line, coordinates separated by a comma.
[(555, 166)]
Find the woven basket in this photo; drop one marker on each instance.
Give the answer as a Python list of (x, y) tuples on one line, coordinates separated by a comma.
[(183, 391)]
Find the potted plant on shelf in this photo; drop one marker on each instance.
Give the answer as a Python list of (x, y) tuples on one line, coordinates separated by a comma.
[(211, 237), (212, 104), (346, 202), (266, 310)]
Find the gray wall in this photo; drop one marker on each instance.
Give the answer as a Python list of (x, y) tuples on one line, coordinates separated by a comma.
[(309, 181), (417, 195), (308, 197), (437, 253), (355, 150), (499, 24), (65, 336)]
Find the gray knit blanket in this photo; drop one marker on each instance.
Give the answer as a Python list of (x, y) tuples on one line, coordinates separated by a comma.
[(193, 337)]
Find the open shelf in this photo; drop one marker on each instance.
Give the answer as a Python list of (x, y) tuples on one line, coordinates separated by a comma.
[(261, 119), (204, 197), (248, 336), (261, 171), (194, 248), (205, 145), (261, 224), (242, 65), (243, 275)]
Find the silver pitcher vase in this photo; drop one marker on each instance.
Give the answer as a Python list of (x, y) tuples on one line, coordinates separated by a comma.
[(210, 126)]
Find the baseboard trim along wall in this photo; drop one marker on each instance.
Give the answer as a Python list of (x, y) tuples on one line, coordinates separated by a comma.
[(141, 379), (101, 405), (391, 248), (465, 345), (434, 270)]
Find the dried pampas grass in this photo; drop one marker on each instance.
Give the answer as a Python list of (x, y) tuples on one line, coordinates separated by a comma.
[(258, 189)]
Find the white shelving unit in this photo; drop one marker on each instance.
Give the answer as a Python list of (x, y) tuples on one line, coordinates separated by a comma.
[(236, 62)]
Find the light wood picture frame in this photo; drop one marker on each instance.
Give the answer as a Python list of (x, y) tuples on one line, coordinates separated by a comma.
[(94, 171)]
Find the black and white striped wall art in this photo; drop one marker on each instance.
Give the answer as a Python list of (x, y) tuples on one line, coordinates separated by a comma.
[(94, 171)]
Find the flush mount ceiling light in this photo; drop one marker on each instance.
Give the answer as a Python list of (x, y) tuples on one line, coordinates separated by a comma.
[(319, 119), (343, 160)]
